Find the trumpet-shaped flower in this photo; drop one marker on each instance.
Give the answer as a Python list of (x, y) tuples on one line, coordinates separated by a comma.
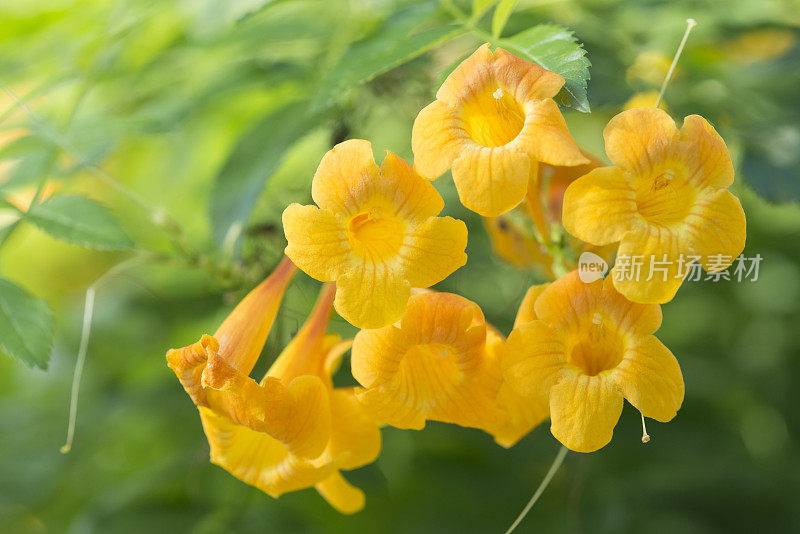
[(375, 231), (493, 119), (439, 363), (292, 430), (585, 347), (665, 201)]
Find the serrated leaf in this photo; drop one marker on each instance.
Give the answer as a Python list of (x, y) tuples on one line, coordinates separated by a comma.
[(394, 43), (556, 48), (500, 17), (80, 220), (252, 162), (26, 325)]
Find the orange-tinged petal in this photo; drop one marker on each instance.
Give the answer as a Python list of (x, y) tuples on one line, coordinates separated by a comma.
[(257, 458), (600, 206), (650, 378), (584, 410), (657, 247), (491, 180), (535, 359), (340, 494), (318, 241), (705, 154), (468, 77), (545, 136), (343, 172), (569, 302), (437, 138), (372, 295), (526, 312), (414, 198), (638, 139), (242, 335), (716, 226), (524, 79), (434, 250)]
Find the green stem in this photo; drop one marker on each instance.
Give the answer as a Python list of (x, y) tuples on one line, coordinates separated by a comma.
[(545, 482)]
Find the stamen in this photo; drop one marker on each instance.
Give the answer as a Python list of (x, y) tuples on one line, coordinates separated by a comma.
[(690, 23), (597, 319), (645, 435), (498, 94)]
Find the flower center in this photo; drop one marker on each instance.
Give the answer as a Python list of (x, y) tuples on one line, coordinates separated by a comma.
[(665, 198), (598, 348), (492, 117), (375, 233)]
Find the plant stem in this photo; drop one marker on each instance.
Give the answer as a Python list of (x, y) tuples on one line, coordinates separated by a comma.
[(690, 23), (545, 482)]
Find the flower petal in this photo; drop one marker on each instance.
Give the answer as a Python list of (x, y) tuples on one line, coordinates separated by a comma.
[(525, 79), (716, 226), (526, 312), (491, 180), (342, 174), (705, 154), (545, 136), (535, 357), (340, 494), (437, 138), (649, 249), (600, 206), (414, 198), (372, 295), (650, 378), (569, 302), (355, 437), (318, 242), (470, 76), (638, 139), (584, 410), (434, 250)]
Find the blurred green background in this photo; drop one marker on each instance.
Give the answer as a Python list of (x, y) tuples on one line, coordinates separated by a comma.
[(218, 112)]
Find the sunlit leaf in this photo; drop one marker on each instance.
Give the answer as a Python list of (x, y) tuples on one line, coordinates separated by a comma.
[(555, 48), (479, 7), (80, 220), (501, 14), (252, 162), (26, 325), (400, 39)]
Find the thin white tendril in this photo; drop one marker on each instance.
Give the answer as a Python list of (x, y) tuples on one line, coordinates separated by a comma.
[(88, 312), (690, 23), (645, 435), (545, 482)]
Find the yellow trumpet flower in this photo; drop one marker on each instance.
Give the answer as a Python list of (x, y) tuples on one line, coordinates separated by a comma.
[(293, 429), (375, 231), (665, 201), (583, 348), (493, 119)]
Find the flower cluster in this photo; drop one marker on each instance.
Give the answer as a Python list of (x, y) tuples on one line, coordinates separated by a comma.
[(375, 237)]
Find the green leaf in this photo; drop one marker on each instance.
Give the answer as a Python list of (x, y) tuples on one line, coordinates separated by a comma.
[(252, 162), (501, 14), (555, 48), (395, 42), (479, 7), (80, 220), (26, 325)]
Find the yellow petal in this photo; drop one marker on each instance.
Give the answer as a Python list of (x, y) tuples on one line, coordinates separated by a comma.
[(257, 458), (414, 198), (355, 437), (640, 138), (242, 335), (525, 80), (491, 180), (651, 380), (343, 172), (658, 248), (545, 136), (584, 410), (437, 139), (600, 206), (535, 358), (468, 77), (526, 312), (716, 226), (318, 241), (340, 494), (372, 295), (705, 154), (433, 250)]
